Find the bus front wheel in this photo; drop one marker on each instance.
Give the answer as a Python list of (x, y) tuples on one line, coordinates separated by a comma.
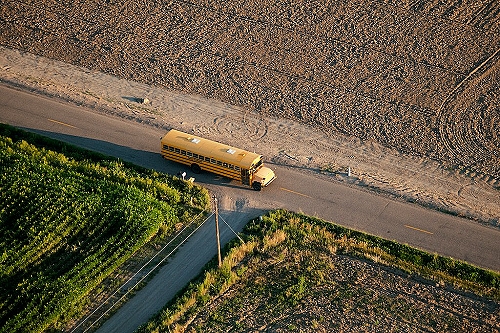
[(195, 168), (257, 186)]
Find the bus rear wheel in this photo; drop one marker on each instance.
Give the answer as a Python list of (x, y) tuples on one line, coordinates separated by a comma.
[(257, 186), (195, 168)]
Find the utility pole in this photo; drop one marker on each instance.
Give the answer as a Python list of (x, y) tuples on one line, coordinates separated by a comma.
[(217, 230)]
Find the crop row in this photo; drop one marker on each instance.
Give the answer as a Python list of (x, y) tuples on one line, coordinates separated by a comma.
[(66, 224)]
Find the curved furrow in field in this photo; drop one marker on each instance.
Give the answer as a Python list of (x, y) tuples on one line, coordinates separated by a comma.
[(469, 121)]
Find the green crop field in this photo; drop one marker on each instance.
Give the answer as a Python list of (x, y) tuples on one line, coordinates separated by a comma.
[(68, 220)]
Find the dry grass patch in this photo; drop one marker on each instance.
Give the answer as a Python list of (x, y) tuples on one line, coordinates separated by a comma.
[(329, 278)]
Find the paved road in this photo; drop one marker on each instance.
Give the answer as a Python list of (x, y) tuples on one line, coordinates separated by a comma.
[(294, 190)]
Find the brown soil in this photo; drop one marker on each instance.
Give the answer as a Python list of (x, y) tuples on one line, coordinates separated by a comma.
[(298, 280), (350, 298), (422, 79)]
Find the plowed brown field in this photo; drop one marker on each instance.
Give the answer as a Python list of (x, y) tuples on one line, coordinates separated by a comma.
[(418, 76)]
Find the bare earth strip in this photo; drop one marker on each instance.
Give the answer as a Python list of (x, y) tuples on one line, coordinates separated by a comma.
[(417, 77)]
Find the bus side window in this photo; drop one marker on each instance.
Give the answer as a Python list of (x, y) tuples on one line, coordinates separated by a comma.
[(224, 165), (219, 163), (177, 150), (237, 168), (207, 159), (195, 155), (171, 148), (190, 154), (183, 152), (213, 161)]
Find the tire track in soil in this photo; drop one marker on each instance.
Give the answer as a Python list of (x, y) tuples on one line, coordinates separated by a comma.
[(258, 130), (471, 140), (238, 128), (485, 18)]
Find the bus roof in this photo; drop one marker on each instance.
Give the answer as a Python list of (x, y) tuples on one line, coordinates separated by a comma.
[(210, 148)]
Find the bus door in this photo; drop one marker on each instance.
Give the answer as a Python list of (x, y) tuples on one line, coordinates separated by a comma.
[(245, 176)]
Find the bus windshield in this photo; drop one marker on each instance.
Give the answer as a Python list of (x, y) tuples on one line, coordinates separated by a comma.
[(258, 164)]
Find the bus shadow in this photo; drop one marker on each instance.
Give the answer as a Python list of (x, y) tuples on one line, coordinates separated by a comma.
[(146, 159)]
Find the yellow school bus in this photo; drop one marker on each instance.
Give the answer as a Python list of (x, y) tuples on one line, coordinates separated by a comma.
[(203, 154)]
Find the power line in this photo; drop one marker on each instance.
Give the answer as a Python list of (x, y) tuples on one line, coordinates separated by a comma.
[(215, 213), (140, 269), (216, 208), (234, 232)]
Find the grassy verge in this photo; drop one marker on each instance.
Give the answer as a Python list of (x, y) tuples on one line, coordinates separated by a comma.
[(298, 273), (68, 218)]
